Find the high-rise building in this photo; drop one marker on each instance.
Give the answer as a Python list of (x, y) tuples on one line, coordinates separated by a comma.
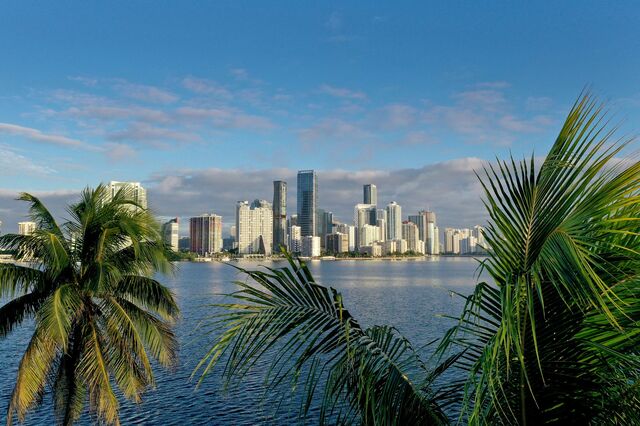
[(382, 225), (132, 190), (363, 214), (311, 246), (295, 239), (324, 224), (337, 243), (279, 215), (394, 221), (370, 195), (171, 234), (205, 234), (367, 235), (307, 201), (349, 230), (26, 228), (254, 227), (411, 234)]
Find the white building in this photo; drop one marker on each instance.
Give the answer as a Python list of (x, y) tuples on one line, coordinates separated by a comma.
[(295, 239), (171, 234), (311, 246), (367, 235), (394, 221), (373, 250), (350, 230), (411, 234), (254, 227), (132, 190), (26, 228)]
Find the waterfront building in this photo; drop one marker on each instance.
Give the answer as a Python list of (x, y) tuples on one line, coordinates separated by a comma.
[(367, 235), (363, 214), (394, 221), (311, 246), (411, 234), (279, 215), (401, 246), (133, 190), (370, 194), (388, 247), (26, 228), (205, 234), (307, 201), (295, 239), (337, 243), (171, 234), (254, 227), (350, 230), (373, 250)]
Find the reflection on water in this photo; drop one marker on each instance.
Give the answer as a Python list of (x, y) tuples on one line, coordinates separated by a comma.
[(406, 294)]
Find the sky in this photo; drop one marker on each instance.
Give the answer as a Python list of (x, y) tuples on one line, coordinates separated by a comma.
[(207, 103)]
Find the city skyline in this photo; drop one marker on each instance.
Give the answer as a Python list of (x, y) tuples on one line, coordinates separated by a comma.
[(275, 99)]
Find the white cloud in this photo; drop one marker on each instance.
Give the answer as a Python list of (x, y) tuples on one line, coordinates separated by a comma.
[(38, 136), (145, 93)]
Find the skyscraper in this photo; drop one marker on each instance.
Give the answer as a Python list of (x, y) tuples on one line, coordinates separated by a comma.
[(363, 214), (394, 221), (133, 190), (307, 201), (370, 194), (254, 227), (279, 215), (205, 234), (171, 233)]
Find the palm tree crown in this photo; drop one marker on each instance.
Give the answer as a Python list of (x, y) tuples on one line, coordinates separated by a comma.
[(98, 312)]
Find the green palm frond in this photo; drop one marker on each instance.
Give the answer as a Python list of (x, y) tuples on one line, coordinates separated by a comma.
[(554, 339), (305, 330)]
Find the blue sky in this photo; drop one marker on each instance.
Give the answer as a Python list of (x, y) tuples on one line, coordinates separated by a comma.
[(170, 92)]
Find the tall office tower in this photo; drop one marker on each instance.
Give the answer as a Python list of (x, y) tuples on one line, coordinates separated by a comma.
[(295, 239), (254, 227), (279, 215), (394, 221), (350, 230), (26, 228), (411, 234), (171, 233), (307, 201), (325, 221), (205, 234), (319, 223), (370, 194), (292, 221), (420, 221), (133, 190), (436, 240)]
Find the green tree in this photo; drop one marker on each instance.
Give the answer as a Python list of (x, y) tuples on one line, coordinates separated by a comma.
[(554, 338), (97, 311)]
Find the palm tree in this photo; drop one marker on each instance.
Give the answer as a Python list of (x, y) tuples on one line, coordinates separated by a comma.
[(98, 313), (554, 338)]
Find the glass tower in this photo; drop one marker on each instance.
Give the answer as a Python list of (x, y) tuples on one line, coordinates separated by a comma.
[(279, 215), (307, 201)]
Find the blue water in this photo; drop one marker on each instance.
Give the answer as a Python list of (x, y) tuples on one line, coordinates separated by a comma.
[(407, 294)]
